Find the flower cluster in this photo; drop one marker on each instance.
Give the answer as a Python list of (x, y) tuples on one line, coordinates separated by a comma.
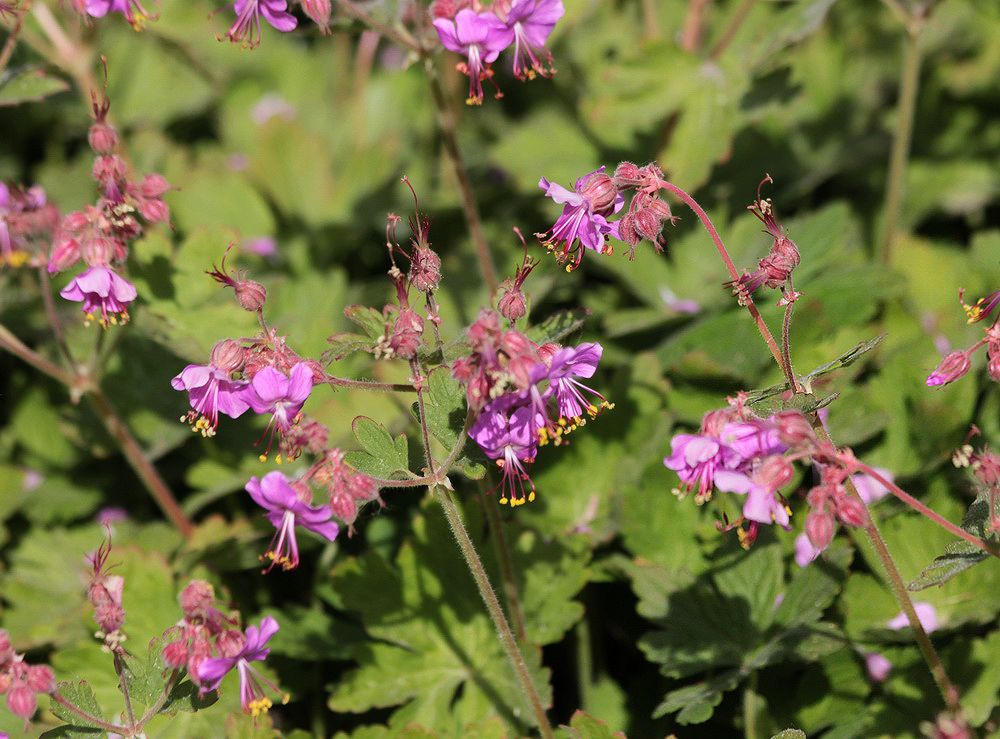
[(208, 645), (100, 234), (105, 593), (27, 221), (480, 35), (21, 682), (525, 396), (775, 270), (584, 225), (957, 363)]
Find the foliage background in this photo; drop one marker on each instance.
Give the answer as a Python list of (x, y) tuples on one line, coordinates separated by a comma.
[(631, 595)]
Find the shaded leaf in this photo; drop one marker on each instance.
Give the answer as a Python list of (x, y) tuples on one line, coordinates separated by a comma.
[(27, 85)]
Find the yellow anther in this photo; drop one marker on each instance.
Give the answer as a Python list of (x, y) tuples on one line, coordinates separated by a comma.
[(262, 458), (277, 460), (531, 497)]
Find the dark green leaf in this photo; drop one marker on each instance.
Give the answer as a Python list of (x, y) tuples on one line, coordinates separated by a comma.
[(81, 696), (28, 84), (695, 704), (380, 455)]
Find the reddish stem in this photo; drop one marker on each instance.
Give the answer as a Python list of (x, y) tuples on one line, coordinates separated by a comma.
[(920, 507), (765, 332)]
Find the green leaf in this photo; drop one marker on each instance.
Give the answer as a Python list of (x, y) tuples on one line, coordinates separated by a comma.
[(81, 696), (585, 726), (695, 704), (790, 734), (380, 455), (370, 320), (559, 326), (445, 406), (28, 85), (961, 555), (433, 650)]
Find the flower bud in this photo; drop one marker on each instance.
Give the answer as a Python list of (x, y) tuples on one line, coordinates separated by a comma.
[(878, 667), (425, 269), (819, 529), (627, 230), (6, 651), (230, 643), (775, 472), (154, 210), (993, 358), (228, 355), (318, 12), (154, 186), (512, 304), (485, 328), (21, 702), (851, 511), (102, 138), (251, 295), (600, 192), (794, 428), (196, 599), (109, 617), (344, 506), (109, 168), (175, 654), (406, 333), (6, 680), (627, 176), (97, 251), (648, 224), (951, 368), (41, 679)]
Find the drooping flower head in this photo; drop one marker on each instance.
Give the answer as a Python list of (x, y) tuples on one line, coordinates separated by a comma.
[(480, 37), (251, 648), (506, 430), (288, 506), (104, 293), (280, 395), (583, 223), (531, 22), (247, 28), (211, 389)]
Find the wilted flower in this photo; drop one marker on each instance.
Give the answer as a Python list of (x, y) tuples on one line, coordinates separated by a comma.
[(253, 698), (104, 293), (288, 507), (480, 37), (247, 28)]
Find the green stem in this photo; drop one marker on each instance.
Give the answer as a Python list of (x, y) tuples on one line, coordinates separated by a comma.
[(507, 575), (446, 125), (77, 711), (123, 687), (496, 613), (584, 663), (902, 136), (11, 43)]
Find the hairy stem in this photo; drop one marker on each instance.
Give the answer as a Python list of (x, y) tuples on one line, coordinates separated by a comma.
[(694, 25), (45, 285), (507, 575), (384, 387), (139, 462), (926, 511), (446, 125), (11, 43), (765, 332), (493, 607), (909, 82), (123, 687), (732, 28), (164, 696), (17, 347)]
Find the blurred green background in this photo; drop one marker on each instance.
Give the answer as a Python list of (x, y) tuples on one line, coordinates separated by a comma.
[(633, 594)]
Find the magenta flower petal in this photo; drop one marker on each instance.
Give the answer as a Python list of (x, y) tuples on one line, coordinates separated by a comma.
[(300, 383)]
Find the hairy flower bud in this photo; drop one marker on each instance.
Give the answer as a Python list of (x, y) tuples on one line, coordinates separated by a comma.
[(406, 333), (628, 230), (230, 642), (109, 168), (154, 211), (21, 702), (41, 679), (951, 368), (600, 191), (109, 617), (775, 472), (251, 295), (175, 654), (425, 269), (102, 138), (154, 186), (819, 529), (196, 599), (318, 12), (993, 352), (228, 355), (794, 428), (851, 511), (97, 251), (512, 304)]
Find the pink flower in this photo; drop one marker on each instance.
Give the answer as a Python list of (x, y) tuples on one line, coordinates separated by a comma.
[(506, 430), (951, 368), (568, 364), (584, 217), (870, 489), (103, 292), (926, 615), (877, 666), (210, 392), (288, 507), (247, 28), (270, 391), (982, 307), (763, 504), (480, 37), (133, 11), (252, 697), (531, 22), (805, 552)]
